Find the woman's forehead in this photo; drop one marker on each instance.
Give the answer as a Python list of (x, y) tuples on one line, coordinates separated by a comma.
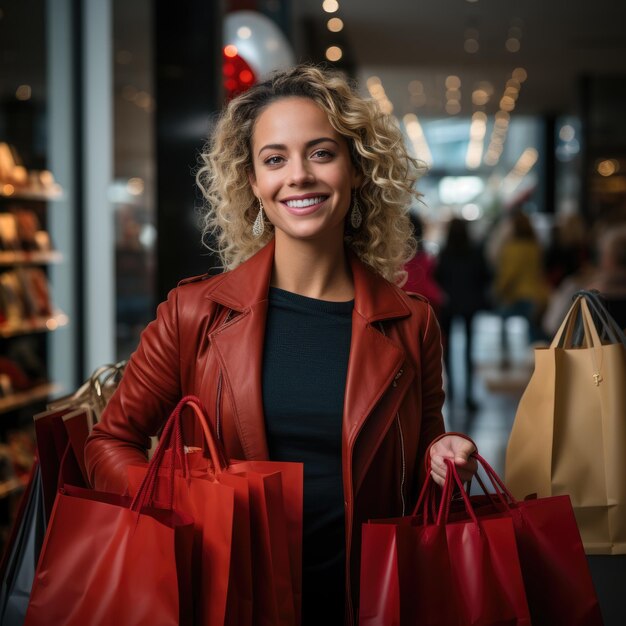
[(293, 118)]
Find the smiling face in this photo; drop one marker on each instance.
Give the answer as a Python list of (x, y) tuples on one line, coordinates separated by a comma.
[(302, 171)]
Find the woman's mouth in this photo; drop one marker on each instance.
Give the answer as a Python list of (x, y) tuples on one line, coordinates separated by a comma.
[(304, 206)]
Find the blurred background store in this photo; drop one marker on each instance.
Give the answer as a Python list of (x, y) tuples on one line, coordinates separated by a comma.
[(514, 105)]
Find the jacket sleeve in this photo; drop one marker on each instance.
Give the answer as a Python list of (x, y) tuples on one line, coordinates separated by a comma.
[(432, 425), (145, 397)]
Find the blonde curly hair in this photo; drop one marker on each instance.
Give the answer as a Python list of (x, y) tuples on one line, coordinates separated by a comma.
[(384, 241)]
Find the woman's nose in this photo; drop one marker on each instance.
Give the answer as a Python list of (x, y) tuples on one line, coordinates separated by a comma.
[(300, 172)]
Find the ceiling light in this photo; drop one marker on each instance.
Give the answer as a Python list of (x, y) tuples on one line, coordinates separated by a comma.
[(244, 32), (415, 132), (567, 132), (330, 6), (416, 87), (453, 82), (512, 44), (607, 167), (453, 107), (471, 45), (507, 103), (480, 97), (334, 24), (503, 115), (23, 92), (520, 74), (334, 53)]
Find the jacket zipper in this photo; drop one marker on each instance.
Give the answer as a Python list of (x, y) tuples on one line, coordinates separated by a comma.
[(218, 406), (394, 383), (348, 548), (218, 399), (403, 481)]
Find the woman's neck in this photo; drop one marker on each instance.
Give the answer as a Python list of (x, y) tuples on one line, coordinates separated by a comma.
[(313, 270)]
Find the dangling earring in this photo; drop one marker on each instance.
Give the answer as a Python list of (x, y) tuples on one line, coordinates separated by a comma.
[(259, 223), (356, 217)]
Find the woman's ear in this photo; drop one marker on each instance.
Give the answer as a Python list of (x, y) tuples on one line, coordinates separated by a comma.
[(252, 181), (357, 178)]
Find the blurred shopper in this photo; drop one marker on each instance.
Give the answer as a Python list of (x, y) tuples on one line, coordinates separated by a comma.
[(610, 278), (464, 277), (607, 275), (568, 250), (421, 269), (520, 285)]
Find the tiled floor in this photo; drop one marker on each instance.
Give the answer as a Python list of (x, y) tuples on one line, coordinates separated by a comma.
[(497, 391)]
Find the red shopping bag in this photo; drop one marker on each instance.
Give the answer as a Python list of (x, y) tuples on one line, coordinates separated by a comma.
[(556, 574), (267, 537), (417, 570), (276, 530), (210, 504), (78, 426), (106, 562)]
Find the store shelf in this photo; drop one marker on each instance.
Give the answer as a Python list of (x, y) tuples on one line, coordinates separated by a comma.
[(7, 487), (44, 195), (24, 398), (30, 258), (34, 325)]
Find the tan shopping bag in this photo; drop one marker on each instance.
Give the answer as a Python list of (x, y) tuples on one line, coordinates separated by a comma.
[(569, 434)]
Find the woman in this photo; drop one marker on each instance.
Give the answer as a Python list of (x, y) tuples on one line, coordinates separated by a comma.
[(304, 348), (520, 285)]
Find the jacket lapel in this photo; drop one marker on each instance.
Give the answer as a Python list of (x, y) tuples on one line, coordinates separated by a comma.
[(375, 366), (239, 346)]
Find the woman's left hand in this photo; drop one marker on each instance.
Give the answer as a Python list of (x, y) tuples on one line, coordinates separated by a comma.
[(457, 449)]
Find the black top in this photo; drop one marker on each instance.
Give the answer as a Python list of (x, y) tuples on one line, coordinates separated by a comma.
[(305, 363)]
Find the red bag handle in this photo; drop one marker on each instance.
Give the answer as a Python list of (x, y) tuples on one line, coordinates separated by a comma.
[(216, 450), (427, 500), (172, 440), (500, 488), (453, 478)]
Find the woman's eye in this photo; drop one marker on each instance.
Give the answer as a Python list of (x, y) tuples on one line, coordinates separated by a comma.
[(322, 154), (273, 160)]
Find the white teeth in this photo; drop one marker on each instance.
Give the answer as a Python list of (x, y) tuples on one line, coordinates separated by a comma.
[(301, 204)]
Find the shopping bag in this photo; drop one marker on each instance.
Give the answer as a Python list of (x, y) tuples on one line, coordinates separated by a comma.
[(78, 426), (66, 424), (109, 561), (420, 570), (276, 490), (211, 504), (569, 434), (22, 552), (267, 528), (52, 441), (558, 583)]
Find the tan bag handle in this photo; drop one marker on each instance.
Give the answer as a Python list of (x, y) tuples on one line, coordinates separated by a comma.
[(564, 335), (91, 389)]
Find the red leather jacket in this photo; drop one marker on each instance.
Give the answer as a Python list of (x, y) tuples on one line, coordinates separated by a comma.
[(207, 340)]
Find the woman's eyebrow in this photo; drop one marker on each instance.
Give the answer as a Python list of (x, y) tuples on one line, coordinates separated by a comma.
[(309, 144)]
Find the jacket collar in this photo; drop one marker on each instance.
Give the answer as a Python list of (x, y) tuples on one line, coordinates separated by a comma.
[(248, 284)]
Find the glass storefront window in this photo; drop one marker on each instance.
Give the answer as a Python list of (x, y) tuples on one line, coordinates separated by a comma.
[(132, 192)]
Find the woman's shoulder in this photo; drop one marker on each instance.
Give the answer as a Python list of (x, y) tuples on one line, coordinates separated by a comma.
[(192, 294)]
